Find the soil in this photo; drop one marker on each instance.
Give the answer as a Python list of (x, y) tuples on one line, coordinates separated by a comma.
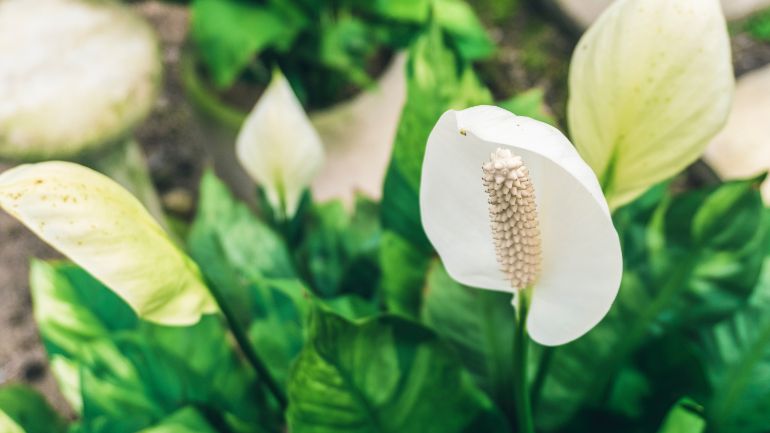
[(173, 143)]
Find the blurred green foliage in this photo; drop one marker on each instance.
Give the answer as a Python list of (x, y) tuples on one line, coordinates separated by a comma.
[(326, 48)]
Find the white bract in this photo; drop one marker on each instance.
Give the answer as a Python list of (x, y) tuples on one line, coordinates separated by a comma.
[(101, 227), (278, 146), (75, 75), (651, 83), (542, 226)]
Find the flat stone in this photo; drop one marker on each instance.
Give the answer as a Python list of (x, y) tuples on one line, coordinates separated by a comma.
[(742, 149), (584, 12)]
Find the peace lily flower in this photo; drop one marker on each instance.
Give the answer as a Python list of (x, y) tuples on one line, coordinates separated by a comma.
[(278, 146), (510, 206), (101, 227), (651, 83), (76, 76)]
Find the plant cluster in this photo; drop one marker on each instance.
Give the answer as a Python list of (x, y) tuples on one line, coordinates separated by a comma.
[(309, 317)]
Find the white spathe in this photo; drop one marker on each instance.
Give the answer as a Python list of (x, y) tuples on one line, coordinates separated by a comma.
[(75, 75), (100, 226), (581, 257), (651, 83), (278, 146)]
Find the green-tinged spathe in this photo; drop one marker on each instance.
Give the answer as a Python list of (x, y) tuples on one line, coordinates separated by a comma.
[(651, 82)]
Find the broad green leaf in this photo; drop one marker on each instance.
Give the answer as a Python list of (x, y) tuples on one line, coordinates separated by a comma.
[(646, 121), (186, 420), (404, 269), (235, 247), (758, 25), (76, 316), (339, 251), (685, 417), (459, 20), (23, 410), (531, 104), (406, 10), (480, 324), (353, 307), (346, 44), (383, 375), (100, 226), (737, 356), (230, 33), (124, 374), (437, 80), (277, 326), (167, 369), (455, 17), (736, 353), (71, 308), (676, 279)]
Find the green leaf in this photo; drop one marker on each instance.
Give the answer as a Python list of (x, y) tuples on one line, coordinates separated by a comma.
[(124, 374), (404, 269), (230, 33), (531, 104), (346, 43), (277, 328), (405, 10), (758, 25), (676, 278), (437, 80), (72, 308), (166, 369), (455, 17), (685, 417), (186, 420), (339, 251), (23, 410), (76, 315), (459, 20), (235, 248), (480, 324), (383, 375), (736, 353)]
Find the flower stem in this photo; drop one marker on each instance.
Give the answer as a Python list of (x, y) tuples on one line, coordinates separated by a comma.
[(247, 348), (542, 372), (523, 406)]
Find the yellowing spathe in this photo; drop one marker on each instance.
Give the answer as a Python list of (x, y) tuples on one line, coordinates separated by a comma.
[(651, 82), (100, 226)]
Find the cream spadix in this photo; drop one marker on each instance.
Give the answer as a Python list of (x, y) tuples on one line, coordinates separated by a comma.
[(561, 243), (100, 226), (278, 146)]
